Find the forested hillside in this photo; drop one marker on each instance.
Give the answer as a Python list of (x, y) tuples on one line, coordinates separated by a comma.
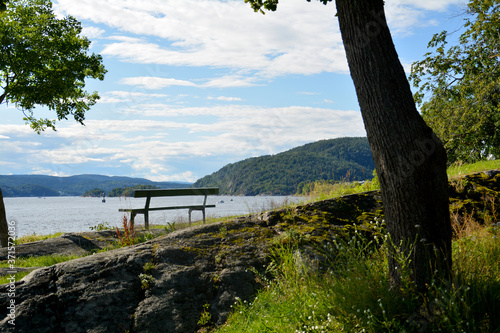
[(40, 185), (287, 172)]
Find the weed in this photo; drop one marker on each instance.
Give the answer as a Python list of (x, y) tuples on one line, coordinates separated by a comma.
[(463, 225), (146, 281), (128, 237), (149, 266), (205, 316), (223, 231), (290, 237), (101, 227), (170, 227)]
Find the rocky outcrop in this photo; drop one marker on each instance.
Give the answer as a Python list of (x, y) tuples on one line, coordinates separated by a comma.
[(163, 285), (166, 284)]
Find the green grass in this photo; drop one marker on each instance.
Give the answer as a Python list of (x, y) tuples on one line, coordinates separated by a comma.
[(353, 293), (18, 276), (321, 190), (459, 169), (41, 261), (35, 238)]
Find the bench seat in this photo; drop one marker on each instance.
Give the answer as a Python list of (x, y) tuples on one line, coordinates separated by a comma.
[(148, 194)]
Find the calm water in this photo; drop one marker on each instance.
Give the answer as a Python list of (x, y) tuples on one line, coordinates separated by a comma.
[(73, 214)]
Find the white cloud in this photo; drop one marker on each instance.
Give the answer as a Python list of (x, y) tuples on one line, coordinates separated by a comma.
[(229, 81), (440, 5), (404, 16), (299, 38), (154, 83), (126, 39), (92, 32), (307, 93), (226, 99), (150, 147), (128, 96), (48, 172)]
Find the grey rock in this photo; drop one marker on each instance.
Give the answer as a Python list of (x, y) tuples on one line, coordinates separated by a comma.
[(203, 268), (103, 292)]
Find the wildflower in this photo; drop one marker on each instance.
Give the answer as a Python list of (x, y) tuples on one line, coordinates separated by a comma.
[(417, 225)]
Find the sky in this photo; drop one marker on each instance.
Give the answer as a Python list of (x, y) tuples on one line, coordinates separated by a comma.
[(193, 85)]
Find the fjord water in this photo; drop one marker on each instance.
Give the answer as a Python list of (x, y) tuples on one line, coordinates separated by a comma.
[(48, 215)]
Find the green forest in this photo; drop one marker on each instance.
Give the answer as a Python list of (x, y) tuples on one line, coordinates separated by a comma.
[(129, 191), (28, 190), (79, 185), (346, 159)]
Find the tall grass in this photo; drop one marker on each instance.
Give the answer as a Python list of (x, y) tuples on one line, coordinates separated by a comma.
[(41, 261), (323, 189), (352, 293), (459, 169), (35, 238)]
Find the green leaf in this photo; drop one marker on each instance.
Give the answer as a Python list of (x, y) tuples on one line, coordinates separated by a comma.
[(459, 85), (44, 61)]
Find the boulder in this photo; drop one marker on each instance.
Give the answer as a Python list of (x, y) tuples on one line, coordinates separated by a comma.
[(165, 284)]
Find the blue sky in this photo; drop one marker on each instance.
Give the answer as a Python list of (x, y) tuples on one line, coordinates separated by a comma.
[(193, 85)]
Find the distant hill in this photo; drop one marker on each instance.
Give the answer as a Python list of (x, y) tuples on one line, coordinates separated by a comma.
[(286, 173), (39, 185)]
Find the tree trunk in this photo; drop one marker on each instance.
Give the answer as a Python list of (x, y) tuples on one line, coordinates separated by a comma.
[(409, 158), (4, 230)]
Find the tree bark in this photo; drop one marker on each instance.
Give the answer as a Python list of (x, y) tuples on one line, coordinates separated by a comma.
[(409, 158), (4, 230)]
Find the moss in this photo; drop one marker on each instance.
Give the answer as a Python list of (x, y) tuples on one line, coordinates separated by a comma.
[(477, 196), (195, 250)]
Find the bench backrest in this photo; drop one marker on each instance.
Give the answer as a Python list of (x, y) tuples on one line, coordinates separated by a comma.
[(176, 192)]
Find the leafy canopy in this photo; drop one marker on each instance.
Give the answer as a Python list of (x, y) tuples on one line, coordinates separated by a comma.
[(272, 5), (459, 86), (44, 61)]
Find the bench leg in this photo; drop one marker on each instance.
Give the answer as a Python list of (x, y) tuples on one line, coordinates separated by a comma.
[(203, 210), (190, 210), (132, 217), (146, 220)]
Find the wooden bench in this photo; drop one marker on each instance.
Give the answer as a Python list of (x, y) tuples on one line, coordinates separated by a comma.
[(148, 194)]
